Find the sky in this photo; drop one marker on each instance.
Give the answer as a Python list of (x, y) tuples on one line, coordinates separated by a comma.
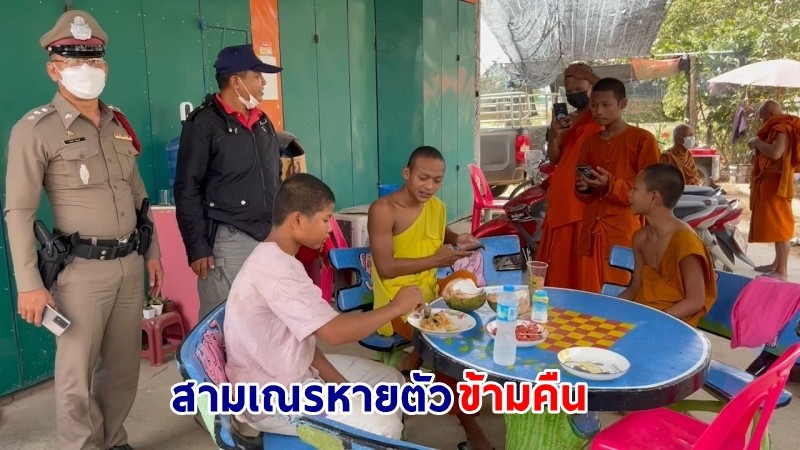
[(490, 49)]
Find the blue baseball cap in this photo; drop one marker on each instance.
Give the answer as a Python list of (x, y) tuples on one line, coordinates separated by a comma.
[(239, 58)]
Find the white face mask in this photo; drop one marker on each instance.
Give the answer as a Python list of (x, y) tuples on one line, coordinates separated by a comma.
[(688, 142), (251, 103), (85, 82)]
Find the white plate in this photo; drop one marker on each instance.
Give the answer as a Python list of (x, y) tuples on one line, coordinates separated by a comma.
[(462, 321), (613, 365), (491, 328)]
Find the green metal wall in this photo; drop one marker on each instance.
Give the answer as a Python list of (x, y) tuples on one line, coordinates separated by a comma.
[(328, 56), (367, 81), (159, 55), (426, 93)]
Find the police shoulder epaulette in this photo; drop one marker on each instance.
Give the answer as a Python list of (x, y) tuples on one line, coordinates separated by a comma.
[(128, 128), (35, 115)]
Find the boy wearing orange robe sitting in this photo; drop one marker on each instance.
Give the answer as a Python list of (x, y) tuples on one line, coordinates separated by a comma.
[(673, 271), (772, 184), (607, 167)]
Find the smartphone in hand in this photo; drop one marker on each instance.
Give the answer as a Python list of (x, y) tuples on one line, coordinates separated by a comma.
[(560, 113), (54, 321), (472, 248), (586, 172)]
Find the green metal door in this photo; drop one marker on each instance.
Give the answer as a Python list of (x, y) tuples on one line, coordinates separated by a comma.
[(466, 104), (329, 86)]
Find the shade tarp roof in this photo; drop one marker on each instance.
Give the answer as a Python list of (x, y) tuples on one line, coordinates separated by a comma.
[(541, 37)]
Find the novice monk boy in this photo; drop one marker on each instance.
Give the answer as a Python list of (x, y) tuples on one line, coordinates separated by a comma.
[(275, 313), (409, 240), (673, 269), (607, 166)]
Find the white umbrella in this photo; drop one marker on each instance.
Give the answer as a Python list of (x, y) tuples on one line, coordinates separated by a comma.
[(780, 73)]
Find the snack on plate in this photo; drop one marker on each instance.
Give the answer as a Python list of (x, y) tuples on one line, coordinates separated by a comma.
[(529, 331), (438, 321), (463, 295)]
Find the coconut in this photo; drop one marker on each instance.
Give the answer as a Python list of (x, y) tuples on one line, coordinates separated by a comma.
[(463, 295)]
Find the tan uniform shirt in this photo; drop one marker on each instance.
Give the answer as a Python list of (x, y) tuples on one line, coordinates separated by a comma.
[(90, 176)]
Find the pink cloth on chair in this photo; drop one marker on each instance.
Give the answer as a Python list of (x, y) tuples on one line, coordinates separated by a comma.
[(762, 309)]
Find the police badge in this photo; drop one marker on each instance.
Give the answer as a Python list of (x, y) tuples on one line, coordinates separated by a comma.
[(80, 29)]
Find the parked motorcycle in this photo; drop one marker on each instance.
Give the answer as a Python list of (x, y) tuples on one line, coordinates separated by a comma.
[(722, 236)]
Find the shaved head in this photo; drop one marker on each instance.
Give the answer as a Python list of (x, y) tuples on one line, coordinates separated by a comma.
[(680, 132), (768, 109)]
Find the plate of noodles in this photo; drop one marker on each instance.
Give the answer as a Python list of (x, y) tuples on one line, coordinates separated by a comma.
[(442, 322)]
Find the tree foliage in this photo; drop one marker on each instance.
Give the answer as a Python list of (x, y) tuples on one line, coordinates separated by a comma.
[(749, 31)]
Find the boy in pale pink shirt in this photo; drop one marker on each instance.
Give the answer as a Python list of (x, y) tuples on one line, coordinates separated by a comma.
[(275, 313)]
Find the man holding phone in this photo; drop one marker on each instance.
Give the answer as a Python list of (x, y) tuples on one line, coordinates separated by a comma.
[(409, 240), (558, 246), (607, 168)]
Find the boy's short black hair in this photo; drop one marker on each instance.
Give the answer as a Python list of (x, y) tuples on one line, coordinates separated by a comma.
[(665, 179), (426, 151), (301, 192), (611, 85)]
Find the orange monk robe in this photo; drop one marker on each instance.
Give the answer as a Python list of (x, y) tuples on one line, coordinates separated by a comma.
[(607, 219), (559, 242), (772, 184), (663, 287), (681, 158)]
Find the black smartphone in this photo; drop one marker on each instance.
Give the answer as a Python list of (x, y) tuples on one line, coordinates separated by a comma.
[(586, 172), (560, 112), (472, 248)]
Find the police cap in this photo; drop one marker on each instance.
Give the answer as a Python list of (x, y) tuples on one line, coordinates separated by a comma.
[(75, 34)]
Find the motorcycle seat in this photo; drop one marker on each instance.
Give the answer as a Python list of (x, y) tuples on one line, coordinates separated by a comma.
[(704, 191), (689, 208)]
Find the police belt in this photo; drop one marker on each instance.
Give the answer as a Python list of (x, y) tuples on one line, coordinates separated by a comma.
[(106, 249)]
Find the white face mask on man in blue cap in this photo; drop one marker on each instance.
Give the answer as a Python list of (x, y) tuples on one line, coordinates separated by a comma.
[(250, 103)]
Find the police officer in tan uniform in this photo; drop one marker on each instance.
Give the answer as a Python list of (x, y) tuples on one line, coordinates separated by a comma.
[(84, 154)]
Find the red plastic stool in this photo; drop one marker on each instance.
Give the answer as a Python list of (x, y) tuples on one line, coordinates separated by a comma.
[(167, 326)]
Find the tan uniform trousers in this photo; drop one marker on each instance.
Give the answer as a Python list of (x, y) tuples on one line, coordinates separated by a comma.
[(97, 357)]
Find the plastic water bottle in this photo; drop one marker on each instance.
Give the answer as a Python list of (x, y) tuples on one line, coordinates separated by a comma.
[(539, 306), (505, 340)]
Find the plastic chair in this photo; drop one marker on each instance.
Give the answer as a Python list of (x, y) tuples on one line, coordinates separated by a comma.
[(664, 428), (482, 262), (201, 357), (482, 198), (327, 271), (167, 326), (359, 297)]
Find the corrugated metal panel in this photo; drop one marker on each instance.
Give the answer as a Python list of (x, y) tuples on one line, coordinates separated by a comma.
[(450, 120)]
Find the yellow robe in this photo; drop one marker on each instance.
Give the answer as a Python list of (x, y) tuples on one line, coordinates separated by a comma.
[(663, 287), (422, 239)]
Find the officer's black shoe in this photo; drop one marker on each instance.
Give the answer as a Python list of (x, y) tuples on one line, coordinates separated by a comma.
[(122, 447)]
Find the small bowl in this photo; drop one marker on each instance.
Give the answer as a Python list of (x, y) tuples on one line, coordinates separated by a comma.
[(521, 291), (469, 305)]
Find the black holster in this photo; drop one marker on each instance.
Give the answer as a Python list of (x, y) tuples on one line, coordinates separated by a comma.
[(53, 256), (144, 227)]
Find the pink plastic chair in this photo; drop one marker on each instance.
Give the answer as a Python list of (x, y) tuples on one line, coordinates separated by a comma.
[(481, 200), (664, 428), (327, 271)]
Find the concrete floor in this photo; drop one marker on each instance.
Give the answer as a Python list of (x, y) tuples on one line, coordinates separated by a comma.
[(27, 417)]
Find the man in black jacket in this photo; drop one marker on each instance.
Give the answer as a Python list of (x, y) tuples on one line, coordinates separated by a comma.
[(227, 175)]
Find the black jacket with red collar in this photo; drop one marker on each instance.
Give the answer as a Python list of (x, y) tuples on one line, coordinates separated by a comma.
[(225, 174)]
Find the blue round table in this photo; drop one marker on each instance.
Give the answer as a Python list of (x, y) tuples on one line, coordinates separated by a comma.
[(669, 358)]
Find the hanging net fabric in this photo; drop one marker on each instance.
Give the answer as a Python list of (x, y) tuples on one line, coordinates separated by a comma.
[(541, 37)]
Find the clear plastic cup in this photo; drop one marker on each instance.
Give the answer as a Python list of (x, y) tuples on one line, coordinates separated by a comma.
[(537, 272)]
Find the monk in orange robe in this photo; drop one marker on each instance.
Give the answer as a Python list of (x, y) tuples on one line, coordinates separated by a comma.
[(679, 155), (558, 246), (673, 269), (607, 167), (772, 184)]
